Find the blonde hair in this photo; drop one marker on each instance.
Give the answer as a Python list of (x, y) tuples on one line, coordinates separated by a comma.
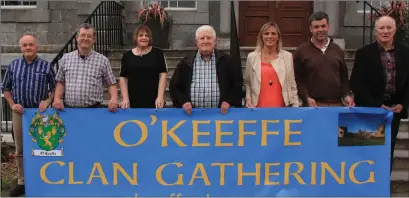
[(260, 42)]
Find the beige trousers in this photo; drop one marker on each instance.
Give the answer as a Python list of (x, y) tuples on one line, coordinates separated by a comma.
[(18, 142)]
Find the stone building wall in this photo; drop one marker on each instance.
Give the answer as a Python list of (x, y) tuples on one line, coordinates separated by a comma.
[(53, 23)]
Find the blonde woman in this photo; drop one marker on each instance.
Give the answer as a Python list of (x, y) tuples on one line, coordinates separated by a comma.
[(269, 75)]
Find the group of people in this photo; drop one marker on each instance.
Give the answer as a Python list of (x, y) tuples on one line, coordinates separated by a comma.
[(314, 75)]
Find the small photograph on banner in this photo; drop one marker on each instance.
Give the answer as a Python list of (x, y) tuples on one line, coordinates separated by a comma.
[(361, 129), (47, 133)]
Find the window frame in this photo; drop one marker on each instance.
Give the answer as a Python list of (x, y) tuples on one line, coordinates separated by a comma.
[(368, 10), (172, 8), (17, 7)]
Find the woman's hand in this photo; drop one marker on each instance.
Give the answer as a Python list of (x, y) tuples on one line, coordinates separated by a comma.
[(160, 102), (125, 104), (249, 104)]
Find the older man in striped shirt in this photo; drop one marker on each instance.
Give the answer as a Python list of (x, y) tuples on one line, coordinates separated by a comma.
[(28, 83)]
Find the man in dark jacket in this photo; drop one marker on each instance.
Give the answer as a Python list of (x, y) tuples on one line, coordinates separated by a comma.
[(380, 77), (206, 79)]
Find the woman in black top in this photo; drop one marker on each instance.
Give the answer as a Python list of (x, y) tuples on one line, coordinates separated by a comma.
[(143, 73)]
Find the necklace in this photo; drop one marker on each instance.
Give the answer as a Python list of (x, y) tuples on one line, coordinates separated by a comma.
[(141, 53)]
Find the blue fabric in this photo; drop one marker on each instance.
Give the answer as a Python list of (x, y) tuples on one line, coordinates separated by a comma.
[(29, 83), (298, 139)]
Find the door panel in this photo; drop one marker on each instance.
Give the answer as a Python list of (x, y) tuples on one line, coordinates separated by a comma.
[(291, 16)]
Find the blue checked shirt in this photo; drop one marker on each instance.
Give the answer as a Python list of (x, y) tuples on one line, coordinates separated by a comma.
[(205, 87), (29, 83)]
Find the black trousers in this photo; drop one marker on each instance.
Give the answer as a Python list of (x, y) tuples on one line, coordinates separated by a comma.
[(394, 133), (390, 101)]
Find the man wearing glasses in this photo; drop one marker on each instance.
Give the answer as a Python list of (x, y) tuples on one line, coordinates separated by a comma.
[(380, 77), (83, 74)]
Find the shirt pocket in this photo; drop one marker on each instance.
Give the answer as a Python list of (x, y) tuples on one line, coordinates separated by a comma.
[(39, 81)]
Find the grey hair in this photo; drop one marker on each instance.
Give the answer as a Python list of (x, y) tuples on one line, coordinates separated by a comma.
[(86, 26), (28, 34), (207, 28), (378, 19)]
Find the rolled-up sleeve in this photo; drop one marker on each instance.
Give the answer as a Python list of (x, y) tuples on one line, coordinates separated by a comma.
[(7, 83), (108, 75)]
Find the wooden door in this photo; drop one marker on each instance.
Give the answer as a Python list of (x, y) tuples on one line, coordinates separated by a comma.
[(291, 17)]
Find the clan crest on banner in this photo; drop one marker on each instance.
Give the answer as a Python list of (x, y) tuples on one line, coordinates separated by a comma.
[(48, 132)]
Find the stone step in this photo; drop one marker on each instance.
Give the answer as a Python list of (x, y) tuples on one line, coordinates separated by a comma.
[(401, 160), (404, 125), (400, 194), (172, 63), (402, 140), (244, 51), (400, 182)]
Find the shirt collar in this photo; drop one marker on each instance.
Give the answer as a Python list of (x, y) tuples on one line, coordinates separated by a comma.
[(326, 45), (84, 57), (382, 49), (199, 55), (34, 60)]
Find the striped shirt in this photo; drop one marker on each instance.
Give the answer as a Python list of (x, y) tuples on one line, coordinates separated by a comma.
[(29, 83), (84, 78)]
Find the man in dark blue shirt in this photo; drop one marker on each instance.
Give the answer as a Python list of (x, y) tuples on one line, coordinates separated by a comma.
[(28, 83)]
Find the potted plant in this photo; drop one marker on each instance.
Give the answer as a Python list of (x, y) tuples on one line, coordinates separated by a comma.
[(159, 21), (398, 10)]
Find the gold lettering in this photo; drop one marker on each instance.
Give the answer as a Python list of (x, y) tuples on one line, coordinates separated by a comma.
[(325, 166), (241, 174), (159, 177), (265, 132), (134, 180), (287, 173), (196, 133), (171, 133), (313, 173), (97, 166), (352, 177), (199, 166), (268, 174), (71, 174), (220, 133), (287, 133), (44, 169), (222, 170), (120, 141), (242, 132)]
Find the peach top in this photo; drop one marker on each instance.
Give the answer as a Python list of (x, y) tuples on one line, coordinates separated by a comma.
[(271, 94)]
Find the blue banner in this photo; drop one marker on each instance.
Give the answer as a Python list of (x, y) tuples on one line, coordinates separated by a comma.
[(165, 153)]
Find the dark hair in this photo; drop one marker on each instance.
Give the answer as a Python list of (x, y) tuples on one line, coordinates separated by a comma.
[(86, 26), (318, 16), (140, 29)]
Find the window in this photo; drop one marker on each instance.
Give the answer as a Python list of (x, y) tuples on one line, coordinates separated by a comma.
[(374, 4), (173, 5), (18, 4)]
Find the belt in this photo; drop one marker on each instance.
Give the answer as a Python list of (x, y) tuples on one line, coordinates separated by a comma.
[(387, 96), (96, 105), (329, 104)]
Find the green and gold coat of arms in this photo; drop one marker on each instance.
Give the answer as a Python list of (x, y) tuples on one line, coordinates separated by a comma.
[(48, 132)]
